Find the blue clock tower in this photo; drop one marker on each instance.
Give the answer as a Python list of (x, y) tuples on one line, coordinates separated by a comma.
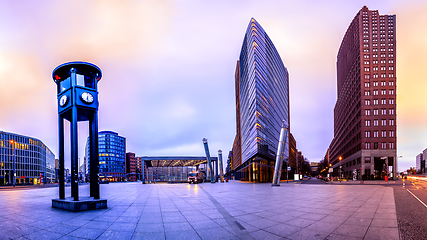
[(77, 96)]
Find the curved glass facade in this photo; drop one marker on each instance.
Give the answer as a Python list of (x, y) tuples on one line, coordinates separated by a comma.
[(263, 97), (112, 156), (34, 161)]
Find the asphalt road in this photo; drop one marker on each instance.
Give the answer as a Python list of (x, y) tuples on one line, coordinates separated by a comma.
[(411, 208)]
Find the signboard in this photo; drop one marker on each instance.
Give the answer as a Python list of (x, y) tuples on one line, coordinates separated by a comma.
[(331, 170), (289, 168)]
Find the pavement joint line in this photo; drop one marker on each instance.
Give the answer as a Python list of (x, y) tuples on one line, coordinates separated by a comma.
[(417, 198), (240, 231)]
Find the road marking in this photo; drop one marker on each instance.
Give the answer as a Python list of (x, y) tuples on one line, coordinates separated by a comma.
[(417, 198)]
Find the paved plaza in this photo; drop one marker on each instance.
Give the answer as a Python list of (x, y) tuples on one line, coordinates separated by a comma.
[(233, 210)]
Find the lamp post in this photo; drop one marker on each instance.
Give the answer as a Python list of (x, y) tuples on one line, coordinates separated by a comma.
[(340, 158), (13, 158)]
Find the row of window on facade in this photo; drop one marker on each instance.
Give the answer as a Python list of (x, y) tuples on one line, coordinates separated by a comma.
[(375, 55), (382, 75), (383, 92), (376, 40), (383, 122), (383, 83), (383, 101), (376, 112), (382, 61), (376, 145), (376, 133), (383, 68)]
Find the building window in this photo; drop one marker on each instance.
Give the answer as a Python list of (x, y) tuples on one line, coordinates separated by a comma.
[(368, 123), (375, 122), (383, 133), (375, 145), (383, 83), (390, 75), (367, 112), (383, 145), (391, 122), (383, 92), (391, 83), (375, 134), (367, 102), (375, 83), (391, 133), (391, 111), (391, 92), (391, 145), (368, 134), (366, 84), (375, 111), (366, 69), (366, 76), (391, 101), (383, 122), (375, 101), (367, 159), (366, 93), (383, 111), (383, 101), (375, 92), (390, 68)]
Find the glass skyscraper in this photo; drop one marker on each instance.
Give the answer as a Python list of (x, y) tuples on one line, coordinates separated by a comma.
[(112, 156), (262, 103), (34, 161)]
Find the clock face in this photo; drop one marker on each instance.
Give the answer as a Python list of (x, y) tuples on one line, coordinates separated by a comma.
[(63, 100), (87, 97)]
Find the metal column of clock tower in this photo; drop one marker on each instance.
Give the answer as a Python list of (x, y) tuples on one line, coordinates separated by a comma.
[(78, 101)]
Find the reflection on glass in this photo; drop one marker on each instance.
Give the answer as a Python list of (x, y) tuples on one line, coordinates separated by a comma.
[(80, 80), (64, 85)]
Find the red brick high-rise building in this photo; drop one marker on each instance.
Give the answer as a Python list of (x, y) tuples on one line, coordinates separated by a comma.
[(364, 141)]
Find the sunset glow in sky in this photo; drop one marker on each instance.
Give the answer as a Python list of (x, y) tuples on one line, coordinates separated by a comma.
[(168, 68)]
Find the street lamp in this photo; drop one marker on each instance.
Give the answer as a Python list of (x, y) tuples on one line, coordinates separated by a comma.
[(13, 157), (340, 158)]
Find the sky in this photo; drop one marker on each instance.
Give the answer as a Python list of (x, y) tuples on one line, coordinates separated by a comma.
[(168, 69)]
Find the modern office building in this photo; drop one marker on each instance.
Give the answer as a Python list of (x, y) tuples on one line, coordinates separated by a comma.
[(29, 158), (420, 163), (262, 103), (112, 156), (365, 111)]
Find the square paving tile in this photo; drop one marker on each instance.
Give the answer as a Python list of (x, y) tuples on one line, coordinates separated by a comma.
[(149, 227), (90, 233), (282, 229)]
